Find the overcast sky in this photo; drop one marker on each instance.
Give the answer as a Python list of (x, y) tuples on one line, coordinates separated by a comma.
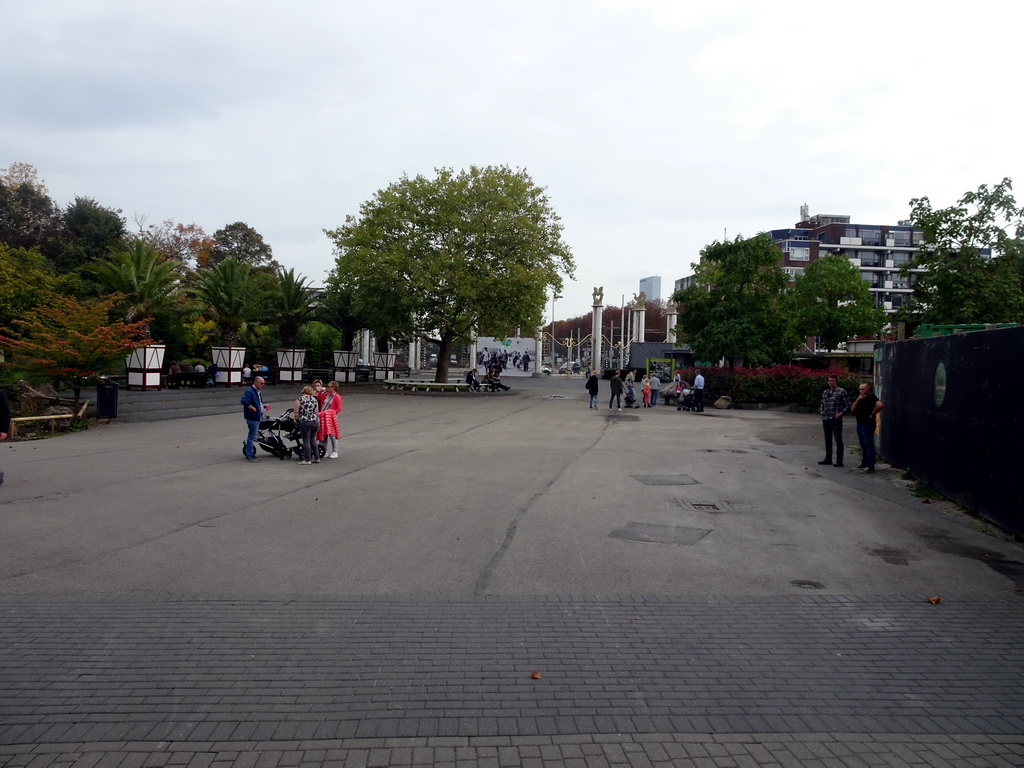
[(656, 127)]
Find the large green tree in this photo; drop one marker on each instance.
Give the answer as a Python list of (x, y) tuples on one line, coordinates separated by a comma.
[(242, 243), (831, 301), (961, 283), (441, 258), (28, 217), (26, 278), (734, 309), (88, 232)]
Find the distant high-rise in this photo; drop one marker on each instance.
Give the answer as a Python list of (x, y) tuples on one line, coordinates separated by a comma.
[(651, 286)]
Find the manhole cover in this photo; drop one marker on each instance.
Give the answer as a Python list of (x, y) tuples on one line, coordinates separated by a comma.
[(660, 534), (665, 479), (707, 506), (801, 584)]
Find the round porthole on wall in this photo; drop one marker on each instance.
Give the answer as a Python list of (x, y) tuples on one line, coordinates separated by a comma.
[(940, 383)]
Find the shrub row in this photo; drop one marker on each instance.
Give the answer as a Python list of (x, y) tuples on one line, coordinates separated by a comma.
[(778, 384)]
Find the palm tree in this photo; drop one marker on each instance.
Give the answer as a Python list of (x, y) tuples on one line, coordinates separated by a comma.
[(235, 294), (146, 279), (292, 306)]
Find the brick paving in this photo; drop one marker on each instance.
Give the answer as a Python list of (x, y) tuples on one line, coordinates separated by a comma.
[(127, 682)]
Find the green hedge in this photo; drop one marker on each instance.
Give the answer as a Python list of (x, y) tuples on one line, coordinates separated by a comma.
[(778, 384)]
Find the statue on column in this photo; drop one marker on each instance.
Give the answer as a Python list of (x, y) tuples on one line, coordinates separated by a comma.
[(639, 300), (599, 296)]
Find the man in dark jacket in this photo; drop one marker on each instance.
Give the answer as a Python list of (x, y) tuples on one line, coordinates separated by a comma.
[(616, 384), (252, 409)]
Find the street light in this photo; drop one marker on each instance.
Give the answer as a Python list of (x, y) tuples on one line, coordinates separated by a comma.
[(552, 334)]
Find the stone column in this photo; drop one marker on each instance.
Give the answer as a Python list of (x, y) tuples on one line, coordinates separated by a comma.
[(595, 327), (364, 347), (671, 321), (639, 317)]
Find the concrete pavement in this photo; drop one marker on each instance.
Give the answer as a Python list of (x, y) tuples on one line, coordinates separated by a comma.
[(507, 579)]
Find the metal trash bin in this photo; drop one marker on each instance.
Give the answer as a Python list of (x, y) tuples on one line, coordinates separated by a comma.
[(106, 399)]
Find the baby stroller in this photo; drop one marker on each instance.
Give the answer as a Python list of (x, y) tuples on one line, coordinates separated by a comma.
[(684, 400), (630, 398), (275, 434)]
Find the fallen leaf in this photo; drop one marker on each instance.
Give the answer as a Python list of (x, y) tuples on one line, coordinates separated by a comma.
[(933, 600), (535, 676)]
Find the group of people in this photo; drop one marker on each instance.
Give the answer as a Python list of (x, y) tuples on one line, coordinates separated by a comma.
[(835, 404), (492, 381), (210, 372), (650, 387), (315, 412)]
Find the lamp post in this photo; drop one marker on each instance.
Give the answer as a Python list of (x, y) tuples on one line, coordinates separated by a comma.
[(553, 297)]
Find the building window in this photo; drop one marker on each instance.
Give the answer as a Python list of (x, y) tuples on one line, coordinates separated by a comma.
[(900, 257), (900, 238), (799, 254), (871, 236), (869, 258)]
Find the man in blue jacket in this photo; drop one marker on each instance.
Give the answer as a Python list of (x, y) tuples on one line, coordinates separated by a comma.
[(252, 409)]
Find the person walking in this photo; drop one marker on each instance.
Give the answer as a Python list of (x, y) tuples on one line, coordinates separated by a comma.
[(645, 387), (655, 388), (834, 404), (591, 387), (252, 410), (305, 411), (865, 408), (698, 392), (616, 385)]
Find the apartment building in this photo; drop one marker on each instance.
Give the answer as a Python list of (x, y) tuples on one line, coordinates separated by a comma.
[(879, 251)]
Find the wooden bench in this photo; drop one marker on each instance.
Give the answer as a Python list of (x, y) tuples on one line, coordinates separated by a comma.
[(185, 379)]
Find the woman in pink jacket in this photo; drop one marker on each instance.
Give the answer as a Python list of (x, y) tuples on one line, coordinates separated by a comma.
[(330, 407)]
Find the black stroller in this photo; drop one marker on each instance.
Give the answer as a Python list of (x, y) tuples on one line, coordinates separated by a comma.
[(685, 401), (275, 434)]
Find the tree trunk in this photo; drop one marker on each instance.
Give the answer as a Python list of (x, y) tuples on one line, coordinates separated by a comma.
[(229, 334), (382, 345), (444, 352)]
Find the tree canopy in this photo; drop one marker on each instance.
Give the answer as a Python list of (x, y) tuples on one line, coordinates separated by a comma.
[(89, 230), (146, 280), (831, 301), (734, 306), (242, 243), (961, 283), (291, 305), (234, 293), (72, 341), (442, 257)]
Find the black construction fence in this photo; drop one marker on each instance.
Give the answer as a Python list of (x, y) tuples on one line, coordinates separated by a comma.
[(954, 417)]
